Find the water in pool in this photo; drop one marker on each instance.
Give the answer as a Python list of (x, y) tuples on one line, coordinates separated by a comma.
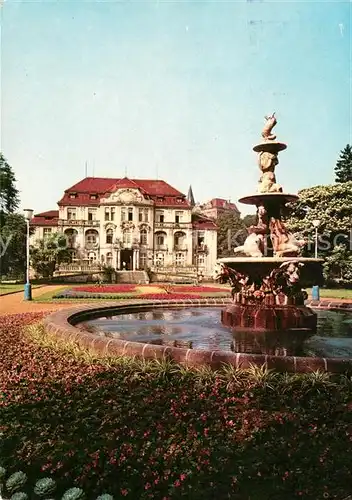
[(201, 328)]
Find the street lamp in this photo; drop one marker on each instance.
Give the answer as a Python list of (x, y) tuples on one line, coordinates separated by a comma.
[(315, 289), (316, 224), (28, 214)]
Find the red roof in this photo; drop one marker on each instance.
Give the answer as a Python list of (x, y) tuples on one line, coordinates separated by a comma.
[(49, 218), (224, 204), (201, 222), (159, 191)]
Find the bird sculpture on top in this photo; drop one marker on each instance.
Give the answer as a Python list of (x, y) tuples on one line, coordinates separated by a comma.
[(269, 125)]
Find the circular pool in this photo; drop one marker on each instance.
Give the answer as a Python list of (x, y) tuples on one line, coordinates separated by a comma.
[(190, 332), (201, 328)]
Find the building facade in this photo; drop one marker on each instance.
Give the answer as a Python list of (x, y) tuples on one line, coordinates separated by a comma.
[(217, 206), (130, 225)]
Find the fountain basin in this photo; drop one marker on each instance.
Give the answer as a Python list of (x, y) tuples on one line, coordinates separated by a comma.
[(63, 324)]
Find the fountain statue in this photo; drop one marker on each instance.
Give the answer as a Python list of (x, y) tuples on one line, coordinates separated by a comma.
[(267, 274)]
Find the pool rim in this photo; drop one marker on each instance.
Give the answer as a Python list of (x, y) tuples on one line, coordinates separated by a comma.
[(64, 324)]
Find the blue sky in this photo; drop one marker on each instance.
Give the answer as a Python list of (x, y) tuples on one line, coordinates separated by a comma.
[(174, 90)]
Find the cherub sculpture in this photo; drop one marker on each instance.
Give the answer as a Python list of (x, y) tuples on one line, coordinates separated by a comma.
[(270, 124), (267, 184)]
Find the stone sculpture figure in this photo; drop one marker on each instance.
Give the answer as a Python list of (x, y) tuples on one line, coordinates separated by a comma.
[(267, 130), (267, 184), (253, 245), (267, 161), (284, 243)]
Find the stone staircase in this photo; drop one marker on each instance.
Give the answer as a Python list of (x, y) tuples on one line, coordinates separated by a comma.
[(137, 277)]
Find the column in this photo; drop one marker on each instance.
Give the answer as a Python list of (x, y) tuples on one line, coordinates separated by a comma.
[(118, 260), (134, 260), (137, 260)]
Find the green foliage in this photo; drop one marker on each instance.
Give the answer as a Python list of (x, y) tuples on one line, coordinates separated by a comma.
[(9, 199), (338, 267), (105, 496), (2, 473), (108, 273), (13, 235), (20, 495), (249, 220), (229, 222), (74, 494), (44, 487), (16, 481), (48, 253), (343, 168)]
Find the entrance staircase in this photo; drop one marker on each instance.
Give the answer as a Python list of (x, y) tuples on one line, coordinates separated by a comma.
[(136, 277)]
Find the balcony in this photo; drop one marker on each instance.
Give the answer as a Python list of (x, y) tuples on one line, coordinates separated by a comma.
[(161, 248), (172, 225), (79, 222), (201, 249), (180, 248)]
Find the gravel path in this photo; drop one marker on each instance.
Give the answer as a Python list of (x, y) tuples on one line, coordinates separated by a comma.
[(14, 303)]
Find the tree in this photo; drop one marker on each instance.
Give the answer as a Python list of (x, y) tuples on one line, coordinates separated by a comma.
[(9, 197), (13, 246), (49, 253), (332, 206), (231, 233), (343, 168)]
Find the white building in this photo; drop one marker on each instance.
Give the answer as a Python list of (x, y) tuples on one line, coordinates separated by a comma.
[(131, 224)]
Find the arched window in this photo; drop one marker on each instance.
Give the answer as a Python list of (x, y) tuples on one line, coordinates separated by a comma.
[(109, 236), (179, 240), (143, 237), (91, 237)]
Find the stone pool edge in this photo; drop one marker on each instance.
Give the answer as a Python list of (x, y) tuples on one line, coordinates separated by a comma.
[(61, 323)]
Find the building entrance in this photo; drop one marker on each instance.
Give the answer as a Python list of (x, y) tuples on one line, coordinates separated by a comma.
[(126, 262)]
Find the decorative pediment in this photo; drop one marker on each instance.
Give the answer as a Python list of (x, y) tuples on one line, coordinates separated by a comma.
[(124, 196), (144, 226), (110, 225), (127, 225)]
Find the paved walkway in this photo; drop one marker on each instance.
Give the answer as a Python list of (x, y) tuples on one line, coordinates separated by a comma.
[(14, 303)]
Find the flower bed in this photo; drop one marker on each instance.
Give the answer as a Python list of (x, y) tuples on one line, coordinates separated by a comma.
[(145, 431), (122, 288), (73, 294), (106, 288)]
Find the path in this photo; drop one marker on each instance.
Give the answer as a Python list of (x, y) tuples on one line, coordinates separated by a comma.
[(14, 303)]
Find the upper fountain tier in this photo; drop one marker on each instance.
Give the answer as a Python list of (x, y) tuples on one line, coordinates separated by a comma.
[(268, 191)]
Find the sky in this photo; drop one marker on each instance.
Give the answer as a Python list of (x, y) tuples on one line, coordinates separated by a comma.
[(175, 90)]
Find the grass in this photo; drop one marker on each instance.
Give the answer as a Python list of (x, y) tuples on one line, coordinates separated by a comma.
[(335, 293), (157, 430), (12, 288)]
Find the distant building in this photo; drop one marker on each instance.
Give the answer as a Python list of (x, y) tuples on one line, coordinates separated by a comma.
[(217, 206), (131, 224)]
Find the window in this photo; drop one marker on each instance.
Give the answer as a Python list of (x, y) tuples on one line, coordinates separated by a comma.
[(178, 217), (92, 257), (109, 259), (143, 260), (130, 214), (180, 259), (46, 232), (73, 195), (159, 216), (71, 214), (160, 239), (143, 237), (123, 214), (112, 213), (109, 236), (93, 197), (92, 214), (179, 239), (200, 239), (201, 259), (143, 215), (127, 237), (159, 260), (107, 214), (91, 237)]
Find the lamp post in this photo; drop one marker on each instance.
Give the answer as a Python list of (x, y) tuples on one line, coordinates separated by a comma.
[(316, 224), (315, 289), (28, 214)]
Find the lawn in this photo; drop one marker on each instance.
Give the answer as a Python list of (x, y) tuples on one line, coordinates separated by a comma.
[(335, 293), (9, 288), (159, 431)]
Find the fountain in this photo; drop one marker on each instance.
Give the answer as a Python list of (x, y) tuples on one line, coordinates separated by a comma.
[(267, 281)]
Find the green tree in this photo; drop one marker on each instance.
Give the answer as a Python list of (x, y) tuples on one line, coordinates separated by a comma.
[(332, 206), (9, 197), (13, 246), (48, 253), (231, 232), (343, 168)]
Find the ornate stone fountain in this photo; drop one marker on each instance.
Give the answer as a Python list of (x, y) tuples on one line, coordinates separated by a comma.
[(267, 275)]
